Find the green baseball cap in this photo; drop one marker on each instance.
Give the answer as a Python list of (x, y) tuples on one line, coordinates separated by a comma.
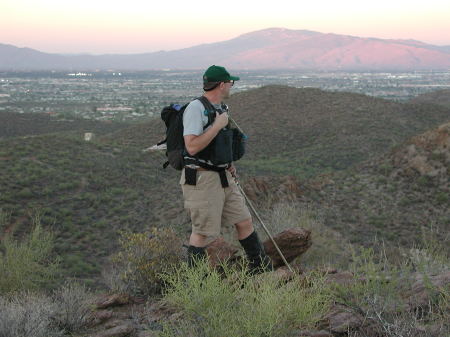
[(218, 74)]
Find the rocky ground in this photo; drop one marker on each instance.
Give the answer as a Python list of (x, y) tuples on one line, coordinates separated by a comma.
[(121, 315)]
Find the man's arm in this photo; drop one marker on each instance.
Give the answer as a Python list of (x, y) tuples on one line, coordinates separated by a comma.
[(195, 144)]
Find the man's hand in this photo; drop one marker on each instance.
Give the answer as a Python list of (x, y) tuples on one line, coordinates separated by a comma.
[(232, 170), (195, 144), (221, 120)]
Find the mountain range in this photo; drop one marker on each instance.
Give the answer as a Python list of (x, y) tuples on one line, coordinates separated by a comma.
[(273, 48)]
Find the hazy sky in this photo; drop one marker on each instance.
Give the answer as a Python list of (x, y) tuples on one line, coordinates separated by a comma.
[(132, 26)]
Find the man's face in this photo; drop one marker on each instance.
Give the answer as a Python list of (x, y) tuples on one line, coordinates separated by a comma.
[(226, 88)]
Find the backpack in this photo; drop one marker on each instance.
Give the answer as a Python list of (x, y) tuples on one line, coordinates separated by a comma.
[(172, 115)]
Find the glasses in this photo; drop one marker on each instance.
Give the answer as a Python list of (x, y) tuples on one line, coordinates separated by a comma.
[(232, 82)]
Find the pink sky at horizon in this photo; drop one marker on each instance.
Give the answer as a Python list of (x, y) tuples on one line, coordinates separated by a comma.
[(100, 26)]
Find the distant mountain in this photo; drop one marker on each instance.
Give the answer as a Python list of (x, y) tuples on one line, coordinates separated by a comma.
[(272, 48)]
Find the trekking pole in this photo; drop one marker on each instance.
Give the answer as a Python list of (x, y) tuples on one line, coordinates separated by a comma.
[(237, 126), (263, 225)]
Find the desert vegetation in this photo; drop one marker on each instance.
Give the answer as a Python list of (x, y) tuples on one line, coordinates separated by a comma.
[(381, 295), (83, 220)]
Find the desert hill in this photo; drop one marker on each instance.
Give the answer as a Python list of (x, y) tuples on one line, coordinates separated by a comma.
[(440, 97), (394, 196), (16, 125), (87, 191), (308, 131)]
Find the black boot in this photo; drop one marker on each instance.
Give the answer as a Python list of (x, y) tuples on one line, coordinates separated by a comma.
[(259, 262), (195, 254)]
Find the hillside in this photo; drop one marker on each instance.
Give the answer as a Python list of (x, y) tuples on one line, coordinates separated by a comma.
[(309, 131), (392, 197), (87, 191), (273, 48), (439, 97), (16, 125)]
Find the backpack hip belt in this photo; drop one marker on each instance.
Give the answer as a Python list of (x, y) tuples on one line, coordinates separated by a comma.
[(190, 173)]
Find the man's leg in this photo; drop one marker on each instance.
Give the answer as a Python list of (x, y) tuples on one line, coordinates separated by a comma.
[(259, 262), (196, 249), (204, 201), (244, 228)]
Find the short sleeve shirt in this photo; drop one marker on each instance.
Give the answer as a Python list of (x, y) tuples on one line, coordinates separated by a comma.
[(195, 118)]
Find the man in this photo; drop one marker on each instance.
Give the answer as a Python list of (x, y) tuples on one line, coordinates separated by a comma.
[(209, 189)]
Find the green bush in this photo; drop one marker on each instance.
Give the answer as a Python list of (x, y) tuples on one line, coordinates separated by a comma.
[(232, 303), (379, 289), (29, 263), (442, 197), (144, 256)]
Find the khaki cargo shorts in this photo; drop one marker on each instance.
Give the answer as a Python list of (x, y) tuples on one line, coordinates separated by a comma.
[(211, 206)]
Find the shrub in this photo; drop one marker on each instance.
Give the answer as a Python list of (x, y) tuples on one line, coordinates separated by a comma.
[(143, 256), (37, 315), (4, 220), (27, 314), (241, 305), (379, 293), (73, 306), (28, 264)]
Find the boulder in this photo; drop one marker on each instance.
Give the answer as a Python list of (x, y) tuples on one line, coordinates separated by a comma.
[(425, 287), (292, 242), (118, 331), (219, 251), (342, 278), (101, 316), (341, 319), (113, 300)]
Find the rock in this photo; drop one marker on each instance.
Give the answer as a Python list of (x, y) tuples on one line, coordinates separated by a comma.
[(342, 319), (342, 278), (220, 251), (114, 323), (98, 317), (118, 331), (89, 136), (330, 270), (148, 333), (292, 242), (284, 274), (321, 333), (158, 311), (424, 288), (256, 188), (289, 187), (113, 300)]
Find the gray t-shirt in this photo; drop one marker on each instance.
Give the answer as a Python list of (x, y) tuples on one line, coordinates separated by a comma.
[(195, 118)]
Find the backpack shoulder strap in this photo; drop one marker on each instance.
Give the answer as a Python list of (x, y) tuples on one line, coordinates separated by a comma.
[(210, 108)]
